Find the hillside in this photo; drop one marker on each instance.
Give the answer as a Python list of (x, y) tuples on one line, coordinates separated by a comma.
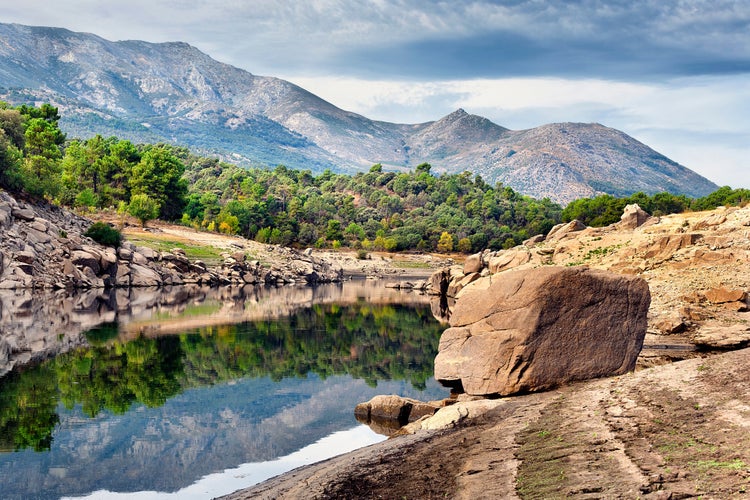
[(172, 92)]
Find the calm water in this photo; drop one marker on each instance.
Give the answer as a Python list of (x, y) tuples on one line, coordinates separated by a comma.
[(211, 396)]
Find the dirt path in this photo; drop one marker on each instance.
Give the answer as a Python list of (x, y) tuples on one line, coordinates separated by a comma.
[(673, 431)]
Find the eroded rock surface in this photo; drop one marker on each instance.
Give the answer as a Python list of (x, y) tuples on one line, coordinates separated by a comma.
[(535, 329)]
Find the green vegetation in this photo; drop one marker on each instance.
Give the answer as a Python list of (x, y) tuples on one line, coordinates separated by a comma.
[(376, 210), (387, 342), (606, 209), (162, 243), (102, 233)]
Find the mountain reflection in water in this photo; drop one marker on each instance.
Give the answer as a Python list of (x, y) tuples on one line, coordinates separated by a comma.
[(156, 401)]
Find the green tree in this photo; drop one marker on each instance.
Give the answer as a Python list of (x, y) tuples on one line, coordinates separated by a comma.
[(143, 208), (159, 175), (41, 167)]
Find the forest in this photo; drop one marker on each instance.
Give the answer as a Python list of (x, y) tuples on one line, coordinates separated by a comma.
[(374, 210)]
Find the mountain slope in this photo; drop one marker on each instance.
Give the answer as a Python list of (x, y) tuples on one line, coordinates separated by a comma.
[(172, 92)]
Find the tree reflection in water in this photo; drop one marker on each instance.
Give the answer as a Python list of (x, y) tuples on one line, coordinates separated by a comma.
[(366, 341)]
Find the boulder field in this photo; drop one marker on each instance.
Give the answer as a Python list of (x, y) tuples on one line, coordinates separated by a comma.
[(42, 247)]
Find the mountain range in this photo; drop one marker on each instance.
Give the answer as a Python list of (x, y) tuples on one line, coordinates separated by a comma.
[(172, 92)]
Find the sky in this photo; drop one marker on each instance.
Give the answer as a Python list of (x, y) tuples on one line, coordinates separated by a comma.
[(674, 74)]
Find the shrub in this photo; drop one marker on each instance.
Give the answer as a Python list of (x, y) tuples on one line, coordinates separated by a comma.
[(104, 234)]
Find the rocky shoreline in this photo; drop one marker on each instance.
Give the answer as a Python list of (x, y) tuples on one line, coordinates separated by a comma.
[(676, 428), (42, 247)]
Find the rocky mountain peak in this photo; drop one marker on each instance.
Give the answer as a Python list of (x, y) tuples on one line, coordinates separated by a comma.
[(173, 92)]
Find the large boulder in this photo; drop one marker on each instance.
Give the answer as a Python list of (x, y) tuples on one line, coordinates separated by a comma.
[(633, 216), (535, 329)]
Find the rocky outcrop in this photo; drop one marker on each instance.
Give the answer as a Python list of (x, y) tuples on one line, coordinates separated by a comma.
[(696, 265), (535, 329), (634, 216), (41, 246)]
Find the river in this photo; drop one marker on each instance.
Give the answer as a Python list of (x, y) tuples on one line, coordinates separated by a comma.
[(196, 393)]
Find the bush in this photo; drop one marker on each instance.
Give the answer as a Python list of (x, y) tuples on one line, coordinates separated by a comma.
[(104, 234)]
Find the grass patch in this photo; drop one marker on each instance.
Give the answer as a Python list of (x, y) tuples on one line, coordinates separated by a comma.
[(206, 253), (410, 264), (735, 464)]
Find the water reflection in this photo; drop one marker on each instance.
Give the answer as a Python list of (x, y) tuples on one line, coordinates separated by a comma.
[(164, 401)]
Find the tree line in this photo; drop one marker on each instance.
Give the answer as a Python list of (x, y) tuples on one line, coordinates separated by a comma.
[(374, 210)]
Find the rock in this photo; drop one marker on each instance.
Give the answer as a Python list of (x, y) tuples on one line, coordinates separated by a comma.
[(143, 276), (439, 281), (459, 284), (125, 253), (24, 214), (85, 259), (536, 329), (473, 263), (509, 259), (714, 219), (723, 337), (723, 295), (671, 325), (534, 240), (25, 256), (633, 216), (667, 246), (562, 230), (388, 413)]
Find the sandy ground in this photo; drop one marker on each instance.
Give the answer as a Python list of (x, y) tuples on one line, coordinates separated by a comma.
[(673, 431)]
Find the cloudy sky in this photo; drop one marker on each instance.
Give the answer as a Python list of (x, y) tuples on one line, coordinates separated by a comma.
[(673, 74)]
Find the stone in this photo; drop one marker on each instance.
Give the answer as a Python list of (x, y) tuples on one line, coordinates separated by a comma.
[(25, 256), (35, 237), (539, 328), (667, 246), (723, 337), (534, 240), (459, 284), (722, 295), (633, 216), (85, 260), (439, 281), (388, 413), (143, 276), (125, 253), (473, 263), (24, 214), (714, 219), (147, 252), (562, 230), (509, 259), (670, 325)]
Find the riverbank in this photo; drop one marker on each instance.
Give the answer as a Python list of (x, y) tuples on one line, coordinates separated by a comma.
[(670, 431), (43, 246), (676, 428)]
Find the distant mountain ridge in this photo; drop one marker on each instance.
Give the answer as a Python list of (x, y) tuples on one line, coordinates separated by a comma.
[(151, 92)]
